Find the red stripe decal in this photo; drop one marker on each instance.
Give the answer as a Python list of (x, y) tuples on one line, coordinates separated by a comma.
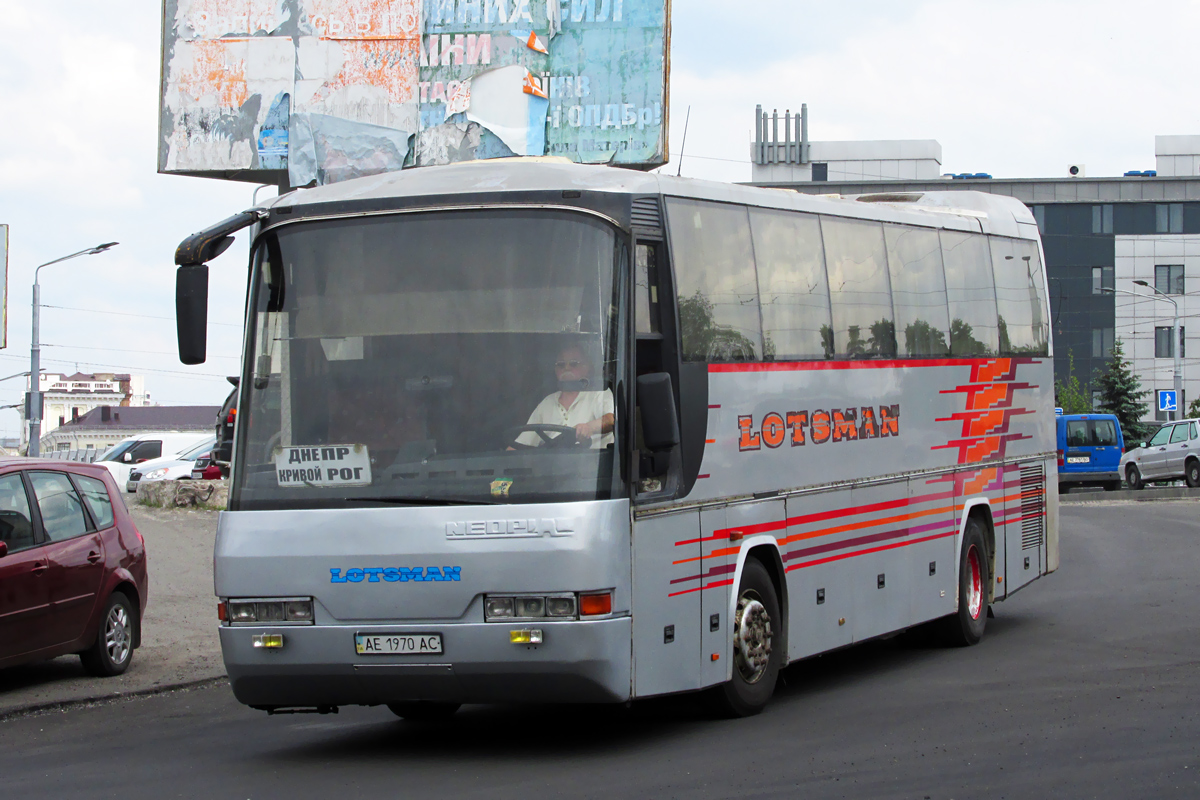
[(908, 363), (869, 550)]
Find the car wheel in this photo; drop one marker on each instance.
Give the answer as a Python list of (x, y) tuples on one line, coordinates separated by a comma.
[(965, 627), (112, 651), (1192, 473), (757, 626), (1133, 477), (1063, 489), (1112, 486), (423, 710)]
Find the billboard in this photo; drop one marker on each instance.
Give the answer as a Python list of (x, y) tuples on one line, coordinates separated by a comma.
[(317, 91)]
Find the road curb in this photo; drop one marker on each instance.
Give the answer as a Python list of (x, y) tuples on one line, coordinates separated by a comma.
[(56, 705), (1127, 495)]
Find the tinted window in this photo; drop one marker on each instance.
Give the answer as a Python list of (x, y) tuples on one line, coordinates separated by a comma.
[(16, 529), (645, 290), (1193, 430), (790, 258), (95, 494), (1104, 433), (1179, 434), (918, 290), (62, 511), (718, 291), (971, 294), (859, 290), (115, 453), (144, 451), (1077, 433), (1160, 436), (1021, 319)]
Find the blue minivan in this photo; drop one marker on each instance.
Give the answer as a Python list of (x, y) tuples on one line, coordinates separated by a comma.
[(1089, 451)]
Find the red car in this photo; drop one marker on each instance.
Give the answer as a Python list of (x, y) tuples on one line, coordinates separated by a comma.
[(72, 566), (205, 469)]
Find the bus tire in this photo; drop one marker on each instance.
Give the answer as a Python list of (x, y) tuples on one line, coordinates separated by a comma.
[(1191, 473), (423, 710), (965, 627), (757, 626), (1133, 477)]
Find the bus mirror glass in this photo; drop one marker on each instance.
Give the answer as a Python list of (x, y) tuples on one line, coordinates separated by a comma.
[(656, 400), (191, 312)]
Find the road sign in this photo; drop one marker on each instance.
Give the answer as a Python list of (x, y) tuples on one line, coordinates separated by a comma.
[(1167, 400)]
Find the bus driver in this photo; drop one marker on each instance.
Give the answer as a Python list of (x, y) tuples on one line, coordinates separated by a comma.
[(590, 413)]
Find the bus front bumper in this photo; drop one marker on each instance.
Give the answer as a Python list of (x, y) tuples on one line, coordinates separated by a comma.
[(577, 662)]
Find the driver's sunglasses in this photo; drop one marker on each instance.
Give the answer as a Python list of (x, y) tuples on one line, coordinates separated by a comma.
[(564, 364)]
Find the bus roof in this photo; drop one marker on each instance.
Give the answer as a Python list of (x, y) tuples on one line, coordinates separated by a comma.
[(960, 210)]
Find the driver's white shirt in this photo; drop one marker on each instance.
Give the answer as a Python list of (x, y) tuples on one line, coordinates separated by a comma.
[(586, 407)]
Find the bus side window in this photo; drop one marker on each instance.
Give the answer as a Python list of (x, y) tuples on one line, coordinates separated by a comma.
[(717, 286), (971, 292), (790, 261), (918, 290), (859, 288)]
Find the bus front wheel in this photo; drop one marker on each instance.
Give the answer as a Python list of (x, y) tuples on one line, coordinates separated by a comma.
[(965, 627), (757, 634)]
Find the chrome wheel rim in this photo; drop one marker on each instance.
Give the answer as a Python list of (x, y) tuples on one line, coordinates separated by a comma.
[(975, 588), (751, 638), (116, 635)]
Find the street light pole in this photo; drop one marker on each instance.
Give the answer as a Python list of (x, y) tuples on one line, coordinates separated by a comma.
[(1176, 344), (35, 352), (1175, 339)]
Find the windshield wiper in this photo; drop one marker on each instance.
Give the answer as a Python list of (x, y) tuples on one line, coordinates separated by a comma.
[(424, 501)]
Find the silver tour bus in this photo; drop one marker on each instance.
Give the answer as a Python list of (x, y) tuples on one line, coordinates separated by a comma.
[(528, 431)]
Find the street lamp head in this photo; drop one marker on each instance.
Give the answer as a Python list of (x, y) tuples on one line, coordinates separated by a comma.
[(101, 248), (1141, 283), (1106, 290)]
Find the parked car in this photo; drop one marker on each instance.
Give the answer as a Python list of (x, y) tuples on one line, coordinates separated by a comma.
[(1172, 453), (205, 470), (122, 457), (223, 450), (72, 566), (169, 468), (1089, 451)]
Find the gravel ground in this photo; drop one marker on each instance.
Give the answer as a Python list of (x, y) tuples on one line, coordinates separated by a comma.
[(179, 633)]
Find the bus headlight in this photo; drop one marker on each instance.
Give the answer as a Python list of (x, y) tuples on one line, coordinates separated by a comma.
[(293, 610), (539, 606)]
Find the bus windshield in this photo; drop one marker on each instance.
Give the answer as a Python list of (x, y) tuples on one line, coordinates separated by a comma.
[(432, 358)]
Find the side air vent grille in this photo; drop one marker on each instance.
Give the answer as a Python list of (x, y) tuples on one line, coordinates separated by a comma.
[(1033, 506), (646, 214)]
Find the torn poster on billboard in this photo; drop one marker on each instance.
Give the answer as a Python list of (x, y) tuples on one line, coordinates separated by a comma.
[(303, 91)]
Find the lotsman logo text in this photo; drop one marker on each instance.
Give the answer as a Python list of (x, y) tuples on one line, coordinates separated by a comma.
[(394, 574)]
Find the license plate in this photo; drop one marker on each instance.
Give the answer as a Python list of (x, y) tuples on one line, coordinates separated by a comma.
[(1079, 459), (197, 475), (391, 644)]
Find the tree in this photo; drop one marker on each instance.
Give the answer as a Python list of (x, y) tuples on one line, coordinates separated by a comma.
[(922, 339), (1121, 394), (1068, 395), (704, 338), (1194, 409)]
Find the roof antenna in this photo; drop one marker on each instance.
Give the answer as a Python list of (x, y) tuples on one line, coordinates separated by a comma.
[(686, 120)]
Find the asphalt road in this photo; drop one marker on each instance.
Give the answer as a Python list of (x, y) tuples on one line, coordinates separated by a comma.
[(1085, 686)]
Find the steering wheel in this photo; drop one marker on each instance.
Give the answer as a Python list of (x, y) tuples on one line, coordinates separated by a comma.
[(565, 439)]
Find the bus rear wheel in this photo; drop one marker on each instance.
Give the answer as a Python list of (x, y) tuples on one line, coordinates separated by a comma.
[(423, 710), (965, 627), (757, 629)]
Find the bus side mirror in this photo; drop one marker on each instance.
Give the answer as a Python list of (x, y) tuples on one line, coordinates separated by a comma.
[(191, 312), (660, 422)]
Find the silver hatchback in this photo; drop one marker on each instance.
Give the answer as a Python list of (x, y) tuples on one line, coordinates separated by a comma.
[(1172, 453)]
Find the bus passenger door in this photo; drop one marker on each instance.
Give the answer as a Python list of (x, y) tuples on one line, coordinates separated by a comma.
[(666, 603)]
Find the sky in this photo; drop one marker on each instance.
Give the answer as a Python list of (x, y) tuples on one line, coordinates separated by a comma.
[(1012, 88)]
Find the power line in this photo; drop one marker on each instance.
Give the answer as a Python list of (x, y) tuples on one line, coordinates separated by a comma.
[(193, 375), (119, 350), (127, 314)]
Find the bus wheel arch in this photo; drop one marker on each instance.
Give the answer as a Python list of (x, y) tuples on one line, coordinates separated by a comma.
[(966, 625), (768, 555), (756, 629)]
